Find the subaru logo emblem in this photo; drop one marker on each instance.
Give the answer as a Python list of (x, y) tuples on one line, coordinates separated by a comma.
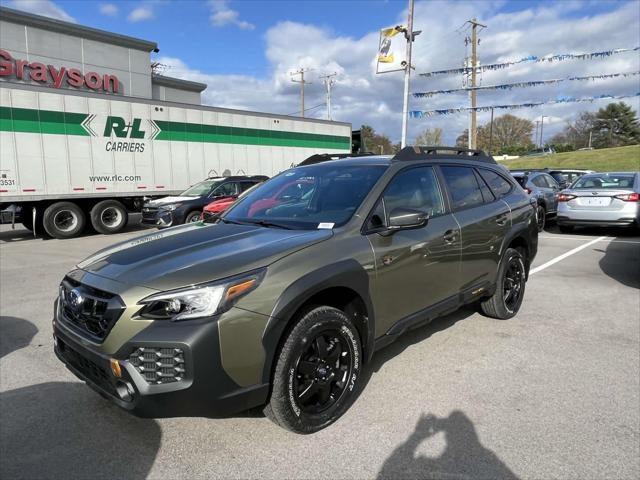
[(75, 300)]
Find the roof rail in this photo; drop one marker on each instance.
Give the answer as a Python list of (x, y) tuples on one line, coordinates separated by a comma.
[(420, 152), (325, 157)]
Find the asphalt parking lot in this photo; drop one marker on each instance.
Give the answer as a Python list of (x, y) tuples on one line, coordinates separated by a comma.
[(552, 393)]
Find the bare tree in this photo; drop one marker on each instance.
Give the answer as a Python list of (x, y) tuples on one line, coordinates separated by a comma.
[(430, 137)]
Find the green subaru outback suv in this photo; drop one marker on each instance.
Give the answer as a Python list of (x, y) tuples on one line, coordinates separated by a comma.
[(285, 299)]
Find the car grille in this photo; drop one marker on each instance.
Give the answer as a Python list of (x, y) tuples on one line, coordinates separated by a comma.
[(89, 311), (159, 364), (149, 213)]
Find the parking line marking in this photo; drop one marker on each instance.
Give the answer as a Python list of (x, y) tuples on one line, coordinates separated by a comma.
[(608, 239), (565, 255)]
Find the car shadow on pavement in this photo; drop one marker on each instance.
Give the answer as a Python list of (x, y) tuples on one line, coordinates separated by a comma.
[(65, 430), (463, 457), (16, 333), (621, 262)]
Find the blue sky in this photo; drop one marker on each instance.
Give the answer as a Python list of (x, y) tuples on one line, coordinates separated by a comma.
[(245, 49)]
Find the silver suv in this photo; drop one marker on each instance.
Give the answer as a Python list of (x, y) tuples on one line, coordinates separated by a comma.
[(542, 187)]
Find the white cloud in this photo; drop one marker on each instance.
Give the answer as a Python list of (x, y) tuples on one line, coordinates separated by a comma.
[(108, 9), (46, 8), (140, 14), (222, 15), (361, 97)]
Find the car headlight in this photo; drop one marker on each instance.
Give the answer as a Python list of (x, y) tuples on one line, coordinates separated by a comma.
[(170, 208), (199, 300)]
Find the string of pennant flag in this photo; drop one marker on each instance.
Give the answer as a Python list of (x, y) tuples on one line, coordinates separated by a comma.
[(449, 111), (532, 58), (533, 83)]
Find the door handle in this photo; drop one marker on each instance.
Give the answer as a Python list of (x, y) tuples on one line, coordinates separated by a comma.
[(450, 236), (502, 219)]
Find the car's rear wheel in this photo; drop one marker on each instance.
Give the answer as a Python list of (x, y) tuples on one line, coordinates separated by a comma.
[(507, 299), (541, 217), (317, 371)]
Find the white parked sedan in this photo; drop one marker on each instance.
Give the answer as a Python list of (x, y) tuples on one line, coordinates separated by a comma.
[(601, 199)]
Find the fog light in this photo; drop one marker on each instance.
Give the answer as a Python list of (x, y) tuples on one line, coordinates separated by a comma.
[(115, 368), (125, 391)]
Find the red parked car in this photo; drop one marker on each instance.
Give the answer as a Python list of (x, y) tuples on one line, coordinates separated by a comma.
[(211, 211)]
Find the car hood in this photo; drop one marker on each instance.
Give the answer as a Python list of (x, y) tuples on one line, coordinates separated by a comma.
[(197, 253), (167, 200)]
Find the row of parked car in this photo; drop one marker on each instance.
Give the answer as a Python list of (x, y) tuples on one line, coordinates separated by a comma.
[(579, 198), (571, 197)]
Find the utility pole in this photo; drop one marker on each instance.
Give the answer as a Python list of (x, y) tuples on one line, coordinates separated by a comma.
[(491, 133), (537, 125), (329, 81), (542, 130), (472, 93), (301, 71), (410, 36)]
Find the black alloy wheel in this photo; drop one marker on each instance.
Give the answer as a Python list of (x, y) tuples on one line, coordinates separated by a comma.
[(322, 371), (513, 285)]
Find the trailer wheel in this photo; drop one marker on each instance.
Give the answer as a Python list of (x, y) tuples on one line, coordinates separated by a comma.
[(109, 216), (64, 220)]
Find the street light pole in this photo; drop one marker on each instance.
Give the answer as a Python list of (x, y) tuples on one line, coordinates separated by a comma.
[(491, 133), (542, 130), (407, 74)]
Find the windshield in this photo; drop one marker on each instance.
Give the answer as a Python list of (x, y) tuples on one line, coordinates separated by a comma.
[(305, 198), (199, 189), (605, 181)]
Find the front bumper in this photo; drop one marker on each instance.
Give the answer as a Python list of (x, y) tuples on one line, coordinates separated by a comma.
[(204, 388), (158, 218)]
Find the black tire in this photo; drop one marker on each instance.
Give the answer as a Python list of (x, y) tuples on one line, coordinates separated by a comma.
[(64, 220), (109, 216), (192, 217), (541, 217), (566, 228), (499, 305), (320, 360)]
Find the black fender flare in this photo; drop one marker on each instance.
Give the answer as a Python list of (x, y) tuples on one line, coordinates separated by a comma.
[(521, 231), (346, 274)]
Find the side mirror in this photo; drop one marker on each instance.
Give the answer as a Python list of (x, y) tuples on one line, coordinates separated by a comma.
[(406, 218)]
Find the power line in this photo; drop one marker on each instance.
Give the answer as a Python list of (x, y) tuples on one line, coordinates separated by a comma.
[(307, 109), (532, 83), (532, 58)]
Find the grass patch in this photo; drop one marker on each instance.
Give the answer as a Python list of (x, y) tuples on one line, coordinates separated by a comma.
[(603, 160)]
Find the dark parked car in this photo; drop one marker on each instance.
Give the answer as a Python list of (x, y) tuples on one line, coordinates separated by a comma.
[(544, 188), (187, 207), (286, 298)]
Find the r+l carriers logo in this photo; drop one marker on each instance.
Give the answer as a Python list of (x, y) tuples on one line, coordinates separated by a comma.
[(133, 133)]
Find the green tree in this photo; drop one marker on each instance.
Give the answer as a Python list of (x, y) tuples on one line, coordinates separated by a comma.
[(510, 134), (616, 125), (430, 137), (375, 142)]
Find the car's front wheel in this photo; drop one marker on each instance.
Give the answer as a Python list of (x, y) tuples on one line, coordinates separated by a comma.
[(507, 299), (541, 217), (317, 371)]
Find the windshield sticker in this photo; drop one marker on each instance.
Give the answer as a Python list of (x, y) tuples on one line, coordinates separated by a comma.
[(325, 225)]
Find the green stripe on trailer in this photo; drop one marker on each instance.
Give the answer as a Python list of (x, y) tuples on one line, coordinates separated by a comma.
[(64, 123), (29, 120)]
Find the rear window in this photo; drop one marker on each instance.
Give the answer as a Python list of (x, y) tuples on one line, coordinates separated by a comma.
[(464, 188), (499, 185), (605, 181)]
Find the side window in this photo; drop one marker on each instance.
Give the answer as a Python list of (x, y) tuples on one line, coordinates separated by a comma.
[(538, 181), (499, 185), (487, 195), (246, 186), (226, 189), (463, 186), (415, 188), (551, 182)]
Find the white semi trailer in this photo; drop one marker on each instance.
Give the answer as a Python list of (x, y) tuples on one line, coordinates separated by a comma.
[(89, 158)]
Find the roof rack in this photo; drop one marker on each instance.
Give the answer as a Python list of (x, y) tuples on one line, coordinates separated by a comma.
[(420, 152), (325, 157)]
